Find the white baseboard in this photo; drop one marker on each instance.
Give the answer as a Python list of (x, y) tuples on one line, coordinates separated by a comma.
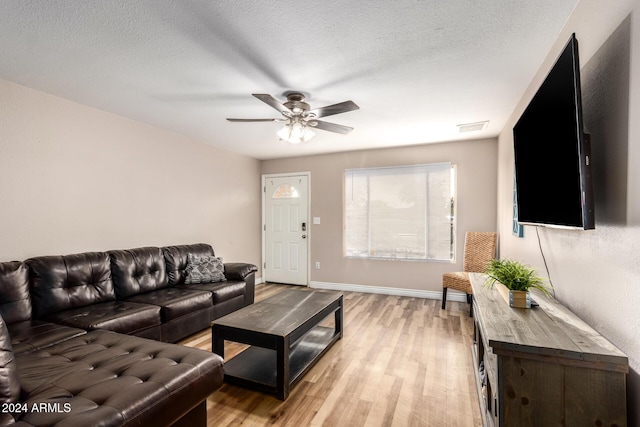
[(416, 293)]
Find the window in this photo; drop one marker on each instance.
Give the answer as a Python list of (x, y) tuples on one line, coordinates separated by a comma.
[(285, 191), (400, 212)]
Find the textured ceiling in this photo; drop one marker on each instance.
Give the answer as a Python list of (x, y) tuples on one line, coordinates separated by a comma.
[(416, 68)]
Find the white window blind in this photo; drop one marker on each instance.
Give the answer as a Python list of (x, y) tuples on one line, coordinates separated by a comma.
[(400, 212)]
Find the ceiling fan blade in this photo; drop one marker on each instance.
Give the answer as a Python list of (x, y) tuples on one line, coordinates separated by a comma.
[(273, 102), (331, 127), (329, 110), (254, 120)]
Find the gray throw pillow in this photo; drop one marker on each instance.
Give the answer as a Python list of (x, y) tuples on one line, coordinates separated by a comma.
[(204, 269)]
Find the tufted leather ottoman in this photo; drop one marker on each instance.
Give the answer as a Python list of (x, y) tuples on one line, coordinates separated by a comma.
[(116, 380)]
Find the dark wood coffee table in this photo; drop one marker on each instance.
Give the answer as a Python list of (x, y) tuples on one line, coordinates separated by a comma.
[(284, 335)]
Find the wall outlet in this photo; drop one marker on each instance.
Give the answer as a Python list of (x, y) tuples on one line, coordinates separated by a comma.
[(317, 265)]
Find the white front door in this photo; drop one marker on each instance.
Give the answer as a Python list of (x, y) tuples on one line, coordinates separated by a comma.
[(286, 229)]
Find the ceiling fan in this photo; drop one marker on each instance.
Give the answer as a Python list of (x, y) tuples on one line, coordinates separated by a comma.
[(299, 118)]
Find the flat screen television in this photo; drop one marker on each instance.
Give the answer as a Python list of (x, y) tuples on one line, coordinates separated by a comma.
[(552, 152)]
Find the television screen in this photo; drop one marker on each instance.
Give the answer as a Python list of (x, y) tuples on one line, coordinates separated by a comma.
[(553, 183)]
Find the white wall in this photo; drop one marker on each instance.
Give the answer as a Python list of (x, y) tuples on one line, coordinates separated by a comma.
[(595, 273), (76, 179)]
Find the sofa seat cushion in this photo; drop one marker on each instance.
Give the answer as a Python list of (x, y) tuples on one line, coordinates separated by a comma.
[(221, 291), (32, 335), (175, 302), (228, 306), (116, 379), (119, 316)]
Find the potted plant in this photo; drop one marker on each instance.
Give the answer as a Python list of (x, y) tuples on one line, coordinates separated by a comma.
[(513, 281)]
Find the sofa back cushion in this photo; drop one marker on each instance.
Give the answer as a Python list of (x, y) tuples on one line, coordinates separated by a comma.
[(9, 381), (61, 283), (176, 258), (136, 271), (15, 302)]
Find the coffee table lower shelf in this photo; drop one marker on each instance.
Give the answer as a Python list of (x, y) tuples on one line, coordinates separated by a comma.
[(255, 367)]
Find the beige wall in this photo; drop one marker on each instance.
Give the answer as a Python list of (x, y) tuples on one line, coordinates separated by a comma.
[(595, 273), (477, 175), (75, 179)]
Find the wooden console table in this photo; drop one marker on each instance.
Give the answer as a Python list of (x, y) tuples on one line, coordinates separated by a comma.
[(543, 366)]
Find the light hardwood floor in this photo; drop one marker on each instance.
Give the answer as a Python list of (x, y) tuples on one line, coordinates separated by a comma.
[(402, 362)]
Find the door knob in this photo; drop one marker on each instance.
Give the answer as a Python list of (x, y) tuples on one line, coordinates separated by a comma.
[(304, 236)]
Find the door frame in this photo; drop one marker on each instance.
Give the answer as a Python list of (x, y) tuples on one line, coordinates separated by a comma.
[(264, 179)]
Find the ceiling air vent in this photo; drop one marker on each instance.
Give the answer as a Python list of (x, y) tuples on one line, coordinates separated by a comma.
[(472, 127)]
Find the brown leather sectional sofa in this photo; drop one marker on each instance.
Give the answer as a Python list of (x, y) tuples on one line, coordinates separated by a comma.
[(72, 337)]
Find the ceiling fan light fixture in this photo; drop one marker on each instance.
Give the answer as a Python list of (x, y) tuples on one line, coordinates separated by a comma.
[(299, 118), (296, 132)]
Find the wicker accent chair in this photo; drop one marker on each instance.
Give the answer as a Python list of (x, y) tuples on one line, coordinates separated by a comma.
[(479, 249)]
